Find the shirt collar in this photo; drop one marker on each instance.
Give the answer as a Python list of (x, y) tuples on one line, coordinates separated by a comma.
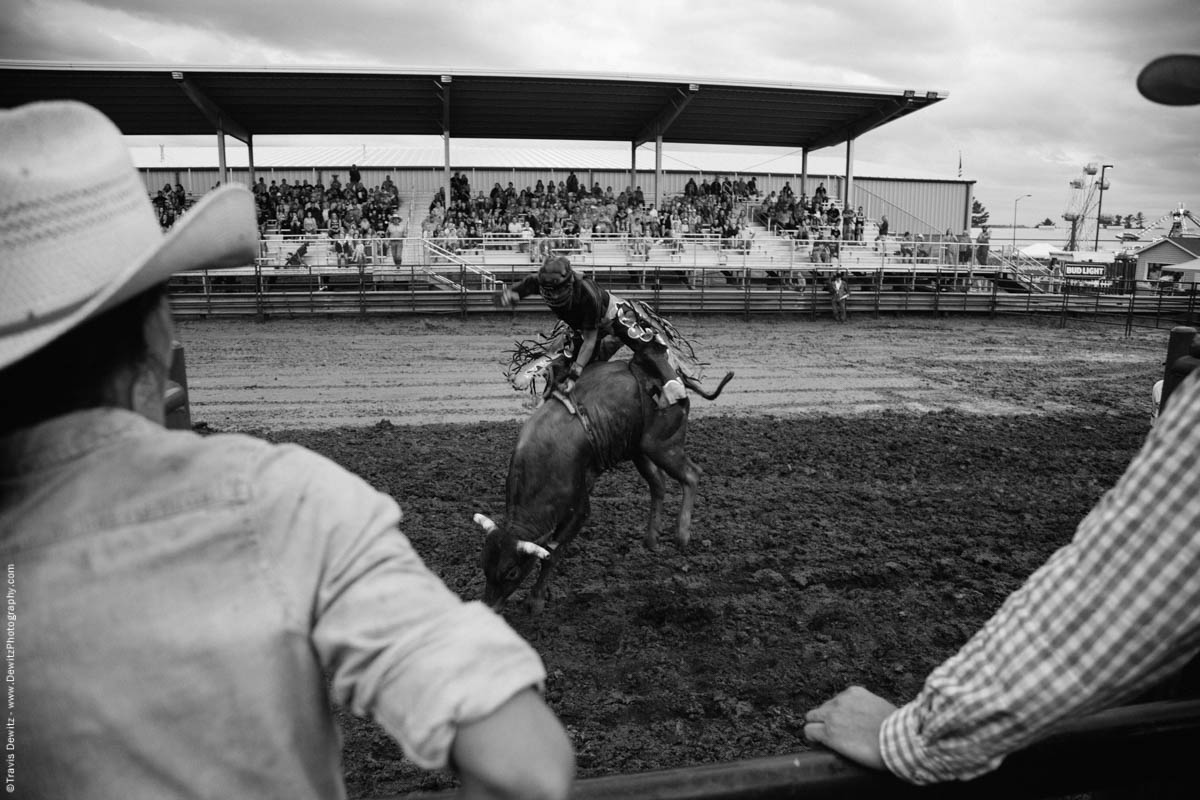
[(65, 438)]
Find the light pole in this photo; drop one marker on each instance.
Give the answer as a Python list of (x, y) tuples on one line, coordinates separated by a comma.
[(1099, 206), (1014, 230)]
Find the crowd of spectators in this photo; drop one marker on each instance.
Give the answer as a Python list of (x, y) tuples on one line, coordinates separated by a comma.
[(553, 215), (565, 215), (169, 204), (308, 208), (349, 213), (815, 218)]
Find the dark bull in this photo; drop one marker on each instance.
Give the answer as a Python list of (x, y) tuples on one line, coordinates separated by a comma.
[(558, 457)]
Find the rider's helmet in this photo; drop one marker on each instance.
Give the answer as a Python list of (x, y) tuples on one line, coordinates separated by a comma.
[(554, 281)]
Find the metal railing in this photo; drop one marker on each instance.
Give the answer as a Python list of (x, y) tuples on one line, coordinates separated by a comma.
[(697, 280), (1128, 747)]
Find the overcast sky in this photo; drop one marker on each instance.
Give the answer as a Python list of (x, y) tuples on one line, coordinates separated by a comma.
[(1038, 88)]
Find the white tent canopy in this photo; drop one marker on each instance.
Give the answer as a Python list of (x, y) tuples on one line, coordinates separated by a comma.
[(1186, 266)]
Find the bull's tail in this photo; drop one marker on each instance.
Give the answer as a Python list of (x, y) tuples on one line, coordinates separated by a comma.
[(695, 386)]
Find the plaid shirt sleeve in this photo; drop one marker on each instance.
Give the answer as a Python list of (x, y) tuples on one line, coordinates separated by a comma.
[(1107, 616)]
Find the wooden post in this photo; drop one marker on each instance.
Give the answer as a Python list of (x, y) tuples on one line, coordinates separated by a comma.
[(1183, 356)]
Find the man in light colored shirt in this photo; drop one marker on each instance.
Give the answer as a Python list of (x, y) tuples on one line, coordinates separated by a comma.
[(188, 607), (397, 231)]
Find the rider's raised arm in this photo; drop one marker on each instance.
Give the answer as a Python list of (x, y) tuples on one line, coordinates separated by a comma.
[(527, 286), (506, 296)]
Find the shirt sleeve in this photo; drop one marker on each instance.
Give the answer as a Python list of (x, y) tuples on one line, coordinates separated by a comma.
[(1106, 617), (397, 643), (527, 286)]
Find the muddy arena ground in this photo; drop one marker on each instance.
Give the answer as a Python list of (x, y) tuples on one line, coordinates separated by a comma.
[(871, 493)]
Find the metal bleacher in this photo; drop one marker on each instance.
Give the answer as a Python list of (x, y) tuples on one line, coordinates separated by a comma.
[(766, 272)]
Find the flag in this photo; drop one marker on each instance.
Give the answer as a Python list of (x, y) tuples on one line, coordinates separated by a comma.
[(960, 163)]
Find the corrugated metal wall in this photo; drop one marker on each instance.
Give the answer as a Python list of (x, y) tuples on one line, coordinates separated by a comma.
[(916, 206)]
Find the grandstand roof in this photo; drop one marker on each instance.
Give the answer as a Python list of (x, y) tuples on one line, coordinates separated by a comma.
[(176, 100), (535, 154)]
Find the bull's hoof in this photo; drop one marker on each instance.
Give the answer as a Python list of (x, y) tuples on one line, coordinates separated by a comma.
[(650, 541), (682, 538)]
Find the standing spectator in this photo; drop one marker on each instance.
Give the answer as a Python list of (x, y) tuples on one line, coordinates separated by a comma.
[(341, 245), (949, 249), (358, 251), (982, 244), (839, 292), (881, 236), (965, 250), (193, 605), (397, 232), (355, 176)]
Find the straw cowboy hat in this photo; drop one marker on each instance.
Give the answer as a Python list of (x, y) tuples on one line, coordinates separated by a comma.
[(1172, 80), (78, 234)]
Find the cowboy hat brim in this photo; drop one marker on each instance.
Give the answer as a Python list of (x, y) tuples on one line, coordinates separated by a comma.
[(219, 232), (1172, 80)]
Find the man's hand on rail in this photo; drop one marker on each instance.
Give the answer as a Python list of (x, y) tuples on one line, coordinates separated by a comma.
[(849, 724)]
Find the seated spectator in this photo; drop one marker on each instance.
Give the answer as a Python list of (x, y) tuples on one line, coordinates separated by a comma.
[(295, 226), (309, 225)]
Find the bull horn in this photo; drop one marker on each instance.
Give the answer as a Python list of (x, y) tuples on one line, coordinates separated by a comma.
[(532, 549), (487, 525)]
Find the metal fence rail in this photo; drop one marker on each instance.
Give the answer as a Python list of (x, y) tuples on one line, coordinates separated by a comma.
[(716, 288), (1153, 743)]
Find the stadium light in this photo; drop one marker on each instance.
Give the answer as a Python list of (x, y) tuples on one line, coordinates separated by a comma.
[(1014, 230), (1100, 205), (176, 76)]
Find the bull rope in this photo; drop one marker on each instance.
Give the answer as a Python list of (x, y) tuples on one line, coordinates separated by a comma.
[(577, 410)]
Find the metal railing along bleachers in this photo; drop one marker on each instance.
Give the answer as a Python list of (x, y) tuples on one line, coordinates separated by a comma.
[(698, 273)]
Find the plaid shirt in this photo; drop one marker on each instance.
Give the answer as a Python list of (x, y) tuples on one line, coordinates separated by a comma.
[(1107, 616)]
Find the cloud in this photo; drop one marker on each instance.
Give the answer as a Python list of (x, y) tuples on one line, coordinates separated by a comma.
[(1037, 89)]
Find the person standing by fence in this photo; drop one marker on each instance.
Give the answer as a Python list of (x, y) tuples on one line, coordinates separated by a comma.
[(839, 293), (397, 231), (1110, 615)]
